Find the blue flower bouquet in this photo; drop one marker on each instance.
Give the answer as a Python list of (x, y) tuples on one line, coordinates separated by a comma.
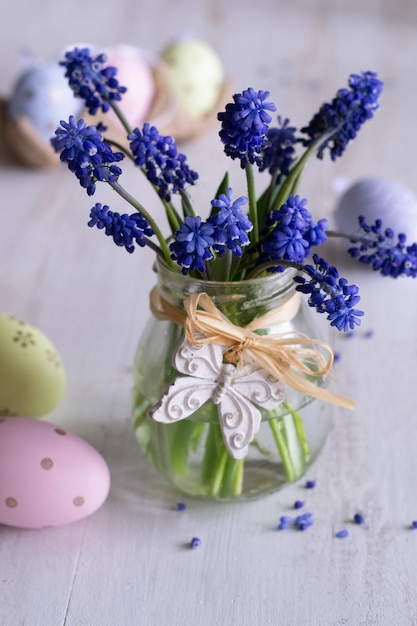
[(228, 367)]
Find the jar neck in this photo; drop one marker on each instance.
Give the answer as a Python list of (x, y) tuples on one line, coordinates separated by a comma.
[(239, 301)]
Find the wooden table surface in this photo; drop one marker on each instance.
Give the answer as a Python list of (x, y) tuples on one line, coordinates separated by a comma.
[(127, 564)]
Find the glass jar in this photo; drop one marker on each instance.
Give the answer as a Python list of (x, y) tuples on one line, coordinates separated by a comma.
[(191, 453)]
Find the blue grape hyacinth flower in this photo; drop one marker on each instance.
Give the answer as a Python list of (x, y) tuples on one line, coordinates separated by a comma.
[(192, 246), (87, 155), (230, 223), (91, 80)]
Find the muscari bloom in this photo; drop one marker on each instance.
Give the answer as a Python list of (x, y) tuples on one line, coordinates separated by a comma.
[(163, 165), (125, 229), (244, 125), (279, 152), (192, 245), (231, 224), (342, 118), (330, 294), (83, 148), (91, 80), (293, 233), (386, 255)]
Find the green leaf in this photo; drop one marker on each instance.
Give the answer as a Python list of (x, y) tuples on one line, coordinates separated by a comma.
[(174, 219), (187, 207), (222, 188)]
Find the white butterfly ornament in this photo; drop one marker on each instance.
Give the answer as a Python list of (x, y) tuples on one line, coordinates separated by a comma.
[(235, 391)]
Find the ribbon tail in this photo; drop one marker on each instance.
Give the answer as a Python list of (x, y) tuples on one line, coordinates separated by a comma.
[(291, 377)]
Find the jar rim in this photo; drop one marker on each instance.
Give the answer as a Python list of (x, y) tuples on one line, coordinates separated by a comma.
[(285, 277)]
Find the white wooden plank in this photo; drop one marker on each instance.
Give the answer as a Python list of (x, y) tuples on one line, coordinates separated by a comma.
[(130, 563)]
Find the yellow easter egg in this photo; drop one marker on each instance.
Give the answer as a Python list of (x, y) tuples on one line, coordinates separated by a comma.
[(32, 378), (196, 73)]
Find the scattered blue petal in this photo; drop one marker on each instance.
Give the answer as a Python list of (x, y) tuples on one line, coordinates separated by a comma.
[(195, 543), (304, 521), (180, 506), (298, 504), (341, 534), (358, 518), (301, 522), (310, 484)]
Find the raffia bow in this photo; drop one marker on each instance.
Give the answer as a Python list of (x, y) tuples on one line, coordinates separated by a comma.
[(292, 358)]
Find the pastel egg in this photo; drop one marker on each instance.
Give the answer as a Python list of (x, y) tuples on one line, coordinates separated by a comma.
[(32, 378), (42, 95), (134, 72), (48, 475), (196, 73), (378, 198)]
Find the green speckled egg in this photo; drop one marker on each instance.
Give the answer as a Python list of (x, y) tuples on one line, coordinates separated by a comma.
[(196, 73), (32, 378)]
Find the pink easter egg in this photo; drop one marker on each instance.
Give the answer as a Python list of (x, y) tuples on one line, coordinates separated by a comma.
[(48, 475), (135, 73)]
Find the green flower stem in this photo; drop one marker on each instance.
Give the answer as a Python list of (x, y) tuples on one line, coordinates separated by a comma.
[(138, 206), (238, 485), (211, 452), (299, 428), (119, 146), (276, 427), (233, 477), (221, 474), (268, 264), (214, 460), (153, 246), (289, 435), (121, 116), (173, 218), (354, 237), (289, 185), (187, 205), (180, 445), (228, 264), (253, 209)]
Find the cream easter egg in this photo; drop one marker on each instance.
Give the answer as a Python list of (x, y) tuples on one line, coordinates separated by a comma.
[(48, 475), (32, 378), (43, 96), (196, 73)]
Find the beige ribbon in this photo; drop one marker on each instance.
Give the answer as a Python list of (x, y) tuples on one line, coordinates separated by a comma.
[(288, 357)]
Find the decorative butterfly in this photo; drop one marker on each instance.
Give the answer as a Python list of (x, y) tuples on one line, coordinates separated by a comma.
[(235, 391)]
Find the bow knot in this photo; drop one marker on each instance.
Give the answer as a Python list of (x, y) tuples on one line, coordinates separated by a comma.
[(292, 358)]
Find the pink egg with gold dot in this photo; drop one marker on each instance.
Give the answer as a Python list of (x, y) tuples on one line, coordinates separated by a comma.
[(48, 475)]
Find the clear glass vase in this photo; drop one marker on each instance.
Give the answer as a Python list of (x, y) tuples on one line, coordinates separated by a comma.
[(191, 453)]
